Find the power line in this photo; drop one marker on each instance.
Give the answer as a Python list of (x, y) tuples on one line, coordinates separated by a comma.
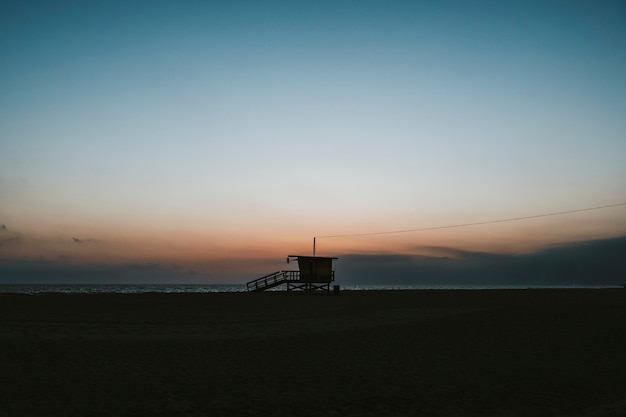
[(512, 219)]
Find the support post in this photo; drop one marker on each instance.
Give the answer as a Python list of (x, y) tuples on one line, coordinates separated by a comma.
[(313, 246)]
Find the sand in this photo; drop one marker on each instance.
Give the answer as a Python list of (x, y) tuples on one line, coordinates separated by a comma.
[(362, 353)]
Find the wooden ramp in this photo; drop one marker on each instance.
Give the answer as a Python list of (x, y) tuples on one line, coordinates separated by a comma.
[(273, 280), (291, 278)]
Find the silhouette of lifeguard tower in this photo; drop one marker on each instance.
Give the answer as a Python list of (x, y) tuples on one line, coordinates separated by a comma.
[(314, 273)]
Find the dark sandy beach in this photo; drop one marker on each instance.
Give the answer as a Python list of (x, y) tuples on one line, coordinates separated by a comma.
[(383, 353)]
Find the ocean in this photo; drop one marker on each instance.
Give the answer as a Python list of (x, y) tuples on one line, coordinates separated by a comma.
[(38, 289)]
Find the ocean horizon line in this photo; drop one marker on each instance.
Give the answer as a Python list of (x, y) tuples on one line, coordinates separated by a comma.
[(76, 288)]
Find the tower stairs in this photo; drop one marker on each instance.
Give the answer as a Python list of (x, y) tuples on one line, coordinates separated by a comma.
[(273, 280)]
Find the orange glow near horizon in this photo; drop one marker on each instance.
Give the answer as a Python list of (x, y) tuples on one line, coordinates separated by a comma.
[(197, 258), (270, 242)]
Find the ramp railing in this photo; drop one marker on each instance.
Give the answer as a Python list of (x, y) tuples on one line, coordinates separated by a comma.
[(272, 280)]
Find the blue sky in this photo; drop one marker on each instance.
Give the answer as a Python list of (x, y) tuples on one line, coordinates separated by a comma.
[(203, 132)]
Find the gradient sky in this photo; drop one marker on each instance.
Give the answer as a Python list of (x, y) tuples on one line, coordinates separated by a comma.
[(217, 137)]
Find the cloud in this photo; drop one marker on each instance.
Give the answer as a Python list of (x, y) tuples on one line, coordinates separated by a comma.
[(598, 262), (77, 240), (10, 238), (62, 271)]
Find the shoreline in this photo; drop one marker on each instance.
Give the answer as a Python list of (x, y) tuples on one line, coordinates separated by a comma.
[(43, 289)]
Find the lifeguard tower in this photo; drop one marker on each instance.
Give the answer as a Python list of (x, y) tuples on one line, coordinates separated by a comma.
[(314, 273)]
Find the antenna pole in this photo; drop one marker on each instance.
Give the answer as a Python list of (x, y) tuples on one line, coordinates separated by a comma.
[(313, 246)]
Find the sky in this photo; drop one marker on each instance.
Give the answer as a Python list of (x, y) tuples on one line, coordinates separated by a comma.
[(206, 140)]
